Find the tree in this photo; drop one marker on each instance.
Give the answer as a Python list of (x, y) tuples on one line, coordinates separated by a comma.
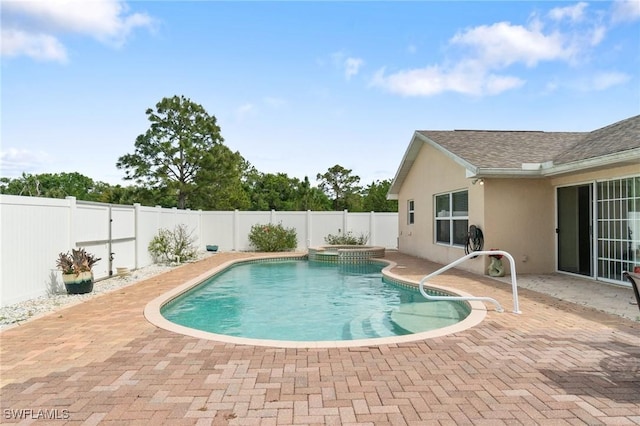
[(176, 151), (341, 187), (219, 183), (375, 197), (312, 198), (53, 185)]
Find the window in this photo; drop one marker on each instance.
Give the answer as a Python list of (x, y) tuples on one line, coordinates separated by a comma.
[(410, 212), (452, 218)]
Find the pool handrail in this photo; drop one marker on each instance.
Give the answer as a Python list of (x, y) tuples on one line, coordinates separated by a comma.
[(514, 284)]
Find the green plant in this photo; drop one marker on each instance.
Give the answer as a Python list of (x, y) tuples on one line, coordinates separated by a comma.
[(270, 238), (346, 239), (173, 246), (76, 261)]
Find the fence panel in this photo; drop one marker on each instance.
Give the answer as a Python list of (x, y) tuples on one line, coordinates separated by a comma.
[(296, 220), (245, 220), (217, 229), (359, 224), (385, 230), (35, 230), (123, 235), (147, 226), (323, 224)]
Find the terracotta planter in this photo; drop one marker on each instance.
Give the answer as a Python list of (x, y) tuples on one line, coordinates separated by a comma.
[(78, 284)]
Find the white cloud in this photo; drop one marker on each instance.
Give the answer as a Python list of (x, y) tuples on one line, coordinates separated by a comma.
[(597, 35), (41, 23), (503, 44), (486, 51), (490, 48), (36, 46), (244, 110), (572, 13), (605, 80), (349, 65), (625, 11), (465, 78), (14, 161), (352, 67)]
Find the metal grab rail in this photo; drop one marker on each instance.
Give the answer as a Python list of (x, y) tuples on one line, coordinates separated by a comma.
[(514, 284)]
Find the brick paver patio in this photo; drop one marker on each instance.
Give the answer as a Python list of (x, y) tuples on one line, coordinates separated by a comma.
[(101, 362)]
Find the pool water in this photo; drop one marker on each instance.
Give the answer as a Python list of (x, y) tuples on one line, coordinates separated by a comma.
[(308, 301)]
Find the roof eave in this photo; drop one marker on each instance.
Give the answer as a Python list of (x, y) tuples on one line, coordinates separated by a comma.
[(631, 156), (412, 153), (405, 165), (486, 172)]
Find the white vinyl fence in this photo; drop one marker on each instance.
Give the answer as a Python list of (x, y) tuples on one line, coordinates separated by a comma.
[(34, 230)]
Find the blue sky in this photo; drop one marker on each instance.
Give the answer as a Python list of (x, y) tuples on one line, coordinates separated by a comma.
[(298, 87)]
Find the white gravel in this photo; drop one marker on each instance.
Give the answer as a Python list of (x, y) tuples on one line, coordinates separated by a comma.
[(17, 313)]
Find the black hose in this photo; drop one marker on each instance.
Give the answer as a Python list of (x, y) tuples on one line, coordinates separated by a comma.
[(475, 240)]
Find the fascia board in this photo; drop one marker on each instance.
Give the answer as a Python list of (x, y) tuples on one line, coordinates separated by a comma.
[(410, 156), (456, 158), (624, 157), (502, 173), (405, 165)]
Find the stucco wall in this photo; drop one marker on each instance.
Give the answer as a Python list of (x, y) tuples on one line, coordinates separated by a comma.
[(435, 173), (519, 218), (515, 215)]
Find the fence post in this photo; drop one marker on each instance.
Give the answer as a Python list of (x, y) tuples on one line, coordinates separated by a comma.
[(72, 220), (236, 229), (309, 228), (201, 242), (136, 234), (345, 221), (158, 217), (372, 228)]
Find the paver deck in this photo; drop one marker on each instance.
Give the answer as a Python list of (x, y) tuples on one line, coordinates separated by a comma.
[(101, 362)]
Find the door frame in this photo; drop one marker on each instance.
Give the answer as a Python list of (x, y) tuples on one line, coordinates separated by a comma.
[(591, 210)]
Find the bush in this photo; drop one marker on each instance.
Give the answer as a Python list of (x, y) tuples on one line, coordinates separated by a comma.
[(173, 246), (347, 239), (270, 238)]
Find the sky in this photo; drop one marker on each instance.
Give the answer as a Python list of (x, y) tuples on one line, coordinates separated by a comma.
[(298, 87)]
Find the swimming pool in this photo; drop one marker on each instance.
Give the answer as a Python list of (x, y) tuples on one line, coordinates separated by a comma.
[(306, 303)]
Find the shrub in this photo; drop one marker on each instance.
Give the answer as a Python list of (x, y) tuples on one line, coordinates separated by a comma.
[(173, 246), (270, 238), (347, 239)]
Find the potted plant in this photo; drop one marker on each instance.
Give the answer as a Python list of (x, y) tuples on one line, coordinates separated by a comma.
[(76, 270)]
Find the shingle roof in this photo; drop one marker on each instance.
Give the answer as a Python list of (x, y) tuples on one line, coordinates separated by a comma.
[(509, 149), (503, 149), (618, 137), (520, 153)]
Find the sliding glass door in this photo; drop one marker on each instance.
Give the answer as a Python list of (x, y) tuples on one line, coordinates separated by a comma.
[(618, 227), (601, 240), (575, 248)]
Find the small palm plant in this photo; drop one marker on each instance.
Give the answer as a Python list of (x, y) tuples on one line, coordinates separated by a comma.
[(76, 261), (76, 270)]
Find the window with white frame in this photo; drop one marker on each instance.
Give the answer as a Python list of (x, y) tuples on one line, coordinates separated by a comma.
[(452, 218), (410, 212)]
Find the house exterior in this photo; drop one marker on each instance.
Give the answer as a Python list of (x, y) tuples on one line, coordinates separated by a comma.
[(556, 201)]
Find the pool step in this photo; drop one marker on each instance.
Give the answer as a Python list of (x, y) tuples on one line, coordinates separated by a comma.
[(368, 326)]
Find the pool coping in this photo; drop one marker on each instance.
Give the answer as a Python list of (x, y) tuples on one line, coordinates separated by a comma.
[(153, 315)]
